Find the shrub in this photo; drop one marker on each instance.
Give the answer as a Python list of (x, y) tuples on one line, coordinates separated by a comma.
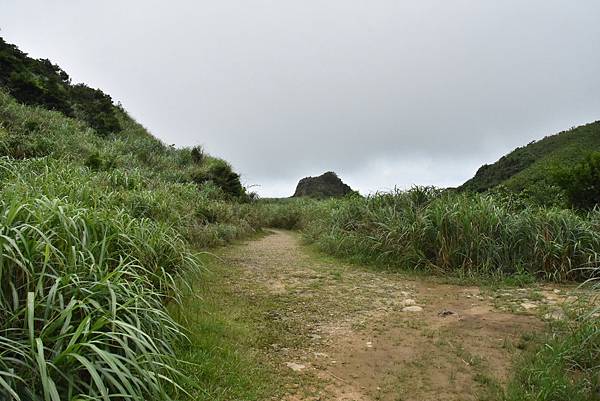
[(95, 108), (581, 182), (197, 154), (220, 173)]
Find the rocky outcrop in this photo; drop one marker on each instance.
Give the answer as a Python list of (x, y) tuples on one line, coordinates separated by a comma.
[(324, 186)]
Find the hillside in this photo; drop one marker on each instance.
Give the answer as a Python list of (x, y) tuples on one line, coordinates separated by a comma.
[(528, 166), (99, 221), (114, 140)]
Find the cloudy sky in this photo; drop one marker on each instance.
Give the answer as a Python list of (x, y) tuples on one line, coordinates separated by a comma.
[(384, 92)]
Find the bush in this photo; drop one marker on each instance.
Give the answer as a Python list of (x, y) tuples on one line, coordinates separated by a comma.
[(581, 183), (197, 154), (95, 108), (220, 173), (97, 162)]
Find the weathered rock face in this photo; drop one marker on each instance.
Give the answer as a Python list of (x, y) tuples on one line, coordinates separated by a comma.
[(323, 186)]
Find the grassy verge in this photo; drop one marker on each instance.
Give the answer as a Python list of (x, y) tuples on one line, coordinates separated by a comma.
[(565, 366), (221, 360)]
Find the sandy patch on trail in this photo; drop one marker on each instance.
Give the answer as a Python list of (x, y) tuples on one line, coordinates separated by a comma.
[(347, 333)]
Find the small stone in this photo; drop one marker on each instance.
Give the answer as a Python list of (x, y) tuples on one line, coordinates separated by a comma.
[(413, 308), (556, 314), (296, 367), (556, 291), (528, 305), (369, 344), (409, 302)]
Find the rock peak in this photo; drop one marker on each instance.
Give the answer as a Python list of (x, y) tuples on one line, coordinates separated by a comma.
[(324, 186)]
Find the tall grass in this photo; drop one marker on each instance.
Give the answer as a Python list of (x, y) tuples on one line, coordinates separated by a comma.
[(469, 234), (95, 233), (81, 303), (566, 367)]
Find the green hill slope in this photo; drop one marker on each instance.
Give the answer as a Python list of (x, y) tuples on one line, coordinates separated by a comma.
[(528, 166), (97, 132)]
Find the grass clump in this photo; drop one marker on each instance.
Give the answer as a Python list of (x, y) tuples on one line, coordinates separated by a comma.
[(565, 367), (82, 303)]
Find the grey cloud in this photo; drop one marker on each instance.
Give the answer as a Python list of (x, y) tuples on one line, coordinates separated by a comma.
[(384, 92)]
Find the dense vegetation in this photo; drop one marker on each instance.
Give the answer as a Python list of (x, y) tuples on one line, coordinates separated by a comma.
[(530, 167), (581, 182), (41, 83), (446, 232), (98, 221)]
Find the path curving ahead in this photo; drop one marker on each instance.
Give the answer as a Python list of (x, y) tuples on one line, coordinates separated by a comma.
[(341, 332)]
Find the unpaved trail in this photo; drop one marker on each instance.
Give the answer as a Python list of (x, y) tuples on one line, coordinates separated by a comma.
[(338, 332)]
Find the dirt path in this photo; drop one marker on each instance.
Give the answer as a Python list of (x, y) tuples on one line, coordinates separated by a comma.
[(337, 332)]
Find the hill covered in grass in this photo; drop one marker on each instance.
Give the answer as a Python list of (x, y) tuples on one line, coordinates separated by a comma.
[(97, 132), (530, 166)]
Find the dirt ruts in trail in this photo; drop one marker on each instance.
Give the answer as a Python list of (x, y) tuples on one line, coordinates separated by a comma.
[(340, 332)]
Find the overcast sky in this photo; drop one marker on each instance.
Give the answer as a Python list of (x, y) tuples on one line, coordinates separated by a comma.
[(384, 92)]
